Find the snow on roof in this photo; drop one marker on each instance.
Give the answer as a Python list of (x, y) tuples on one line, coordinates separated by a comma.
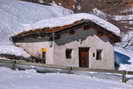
[(11, 49), (16, 14), (69, 19)]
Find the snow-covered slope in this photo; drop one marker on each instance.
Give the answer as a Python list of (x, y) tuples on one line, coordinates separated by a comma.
[(29, 79), (123, 17), (14, 15), (12, 50)]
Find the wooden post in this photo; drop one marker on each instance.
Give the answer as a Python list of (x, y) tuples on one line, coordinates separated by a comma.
[(14, 65), (70, 70), (124, 80)]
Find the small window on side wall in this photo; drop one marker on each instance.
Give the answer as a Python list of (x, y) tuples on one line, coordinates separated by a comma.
[(99, 54), (68, 53)]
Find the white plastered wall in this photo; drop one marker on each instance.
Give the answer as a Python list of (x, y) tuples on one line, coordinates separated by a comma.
[(93, 42), (34, 49)]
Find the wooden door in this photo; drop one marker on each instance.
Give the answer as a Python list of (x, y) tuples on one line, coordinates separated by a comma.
[(83, 57)]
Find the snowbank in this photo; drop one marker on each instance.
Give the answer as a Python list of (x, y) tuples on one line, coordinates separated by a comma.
[(10, 79), (69, 19), (11, 49)]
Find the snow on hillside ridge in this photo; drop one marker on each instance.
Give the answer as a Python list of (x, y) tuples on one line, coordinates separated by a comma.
[(128, 40), (99, 13), (69, 19), (125, 17), (128, 36), (16, 14), (29, 79)]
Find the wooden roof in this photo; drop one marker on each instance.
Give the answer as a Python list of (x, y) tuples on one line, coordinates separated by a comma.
[(50, 30), (67, 27)]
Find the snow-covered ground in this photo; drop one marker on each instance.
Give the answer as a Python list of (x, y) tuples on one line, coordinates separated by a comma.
[(10, 79)]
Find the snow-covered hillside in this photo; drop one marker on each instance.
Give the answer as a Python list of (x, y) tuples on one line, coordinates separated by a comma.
[(29, 79), (14, 15)]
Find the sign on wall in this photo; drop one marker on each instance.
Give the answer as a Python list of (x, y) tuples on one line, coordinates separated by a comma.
[(44, 50)]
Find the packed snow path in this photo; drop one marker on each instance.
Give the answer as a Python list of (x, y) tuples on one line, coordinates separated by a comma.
[(10, 79)]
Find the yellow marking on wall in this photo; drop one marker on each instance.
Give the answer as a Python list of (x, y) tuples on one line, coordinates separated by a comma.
[(44, 50)]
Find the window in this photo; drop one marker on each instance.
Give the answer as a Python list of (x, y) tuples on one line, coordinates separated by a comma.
[(57, 36), (86, 27), (68, 53), (43, 57), (99, 54), (71, 31), (93, 54)]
